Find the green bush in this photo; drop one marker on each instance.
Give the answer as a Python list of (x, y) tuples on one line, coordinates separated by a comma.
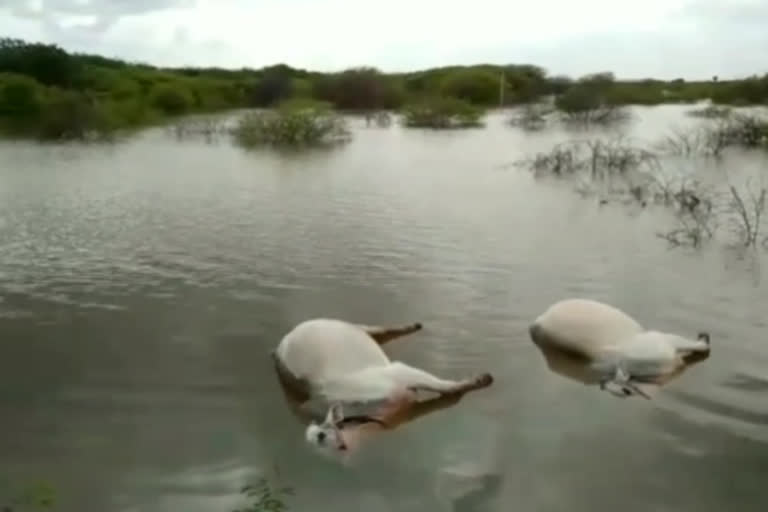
[(752, 91), (171, 98), (209, 95), (441, 113), (71, 115), (127, 113), (19, 95), (106, 94), (38, 497), (125, 89), (359, 89), (295, 123)]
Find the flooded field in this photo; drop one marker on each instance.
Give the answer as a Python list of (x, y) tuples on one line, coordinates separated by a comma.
[(144, 284)]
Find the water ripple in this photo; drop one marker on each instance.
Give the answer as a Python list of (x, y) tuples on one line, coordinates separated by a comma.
[(139, 299)]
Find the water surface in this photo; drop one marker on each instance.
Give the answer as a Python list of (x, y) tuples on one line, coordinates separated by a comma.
[(143, 285)]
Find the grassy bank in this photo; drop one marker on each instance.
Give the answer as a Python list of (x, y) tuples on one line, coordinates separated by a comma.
[(47, 92)]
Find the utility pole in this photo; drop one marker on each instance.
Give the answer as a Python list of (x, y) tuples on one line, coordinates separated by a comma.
[(501, 89)]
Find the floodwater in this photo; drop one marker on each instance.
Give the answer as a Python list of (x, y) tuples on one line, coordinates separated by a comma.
[(144, 284)]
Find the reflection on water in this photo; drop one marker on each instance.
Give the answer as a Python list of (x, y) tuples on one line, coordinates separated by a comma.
[(651, 373), (143, 286)]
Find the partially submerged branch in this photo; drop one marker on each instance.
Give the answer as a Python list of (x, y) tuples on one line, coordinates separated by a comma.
[(381, 118), (595, 159), (748, 207), (694, 211), (710, 112), (532, 116), (623, 169), (716, 134)]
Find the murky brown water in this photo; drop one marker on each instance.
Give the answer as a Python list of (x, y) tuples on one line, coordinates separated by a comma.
[(143, 285)]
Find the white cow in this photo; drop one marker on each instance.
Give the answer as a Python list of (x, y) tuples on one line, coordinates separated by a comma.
[(339, 362), (582, 336)]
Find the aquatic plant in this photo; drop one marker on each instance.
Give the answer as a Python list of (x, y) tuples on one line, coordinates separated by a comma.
[(630, 172), (295, 123), (596, 158), (590, 102), (684, 143), (382, 118), (441, 113), (710, 112), (715, 135), (745, 130), (34, 497), (532, 116), (748, 206), (600, 114), (693, 208), (262, 497), (700, 213), (209, 129)]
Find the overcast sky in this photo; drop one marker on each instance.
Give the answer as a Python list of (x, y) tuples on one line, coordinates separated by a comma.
[(659, 38)]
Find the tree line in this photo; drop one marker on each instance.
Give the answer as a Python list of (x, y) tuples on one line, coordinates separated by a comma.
[(49, 92)]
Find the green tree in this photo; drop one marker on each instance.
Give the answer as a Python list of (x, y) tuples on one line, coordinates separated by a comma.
[(358, 89), (477, 86), (273, 86), (48, 64)]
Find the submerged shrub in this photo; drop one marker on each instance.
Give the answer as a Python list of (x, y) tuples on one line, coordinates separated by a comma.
[(590, 101), (293, 123), (744, 130), (264, 496), (36, 496), (441, 113), (747, 207), (710, 112), (584, 107), (683, 143), (722, 129), (692, 205), (382, 119), (532, 116), (699, 213), (597, 159), (208, 129), (633, 174), (72, 115)]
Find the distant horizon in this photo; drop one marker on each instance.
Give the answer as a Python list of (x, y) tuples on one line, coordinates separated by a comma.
[(660, 39), (549, 72)]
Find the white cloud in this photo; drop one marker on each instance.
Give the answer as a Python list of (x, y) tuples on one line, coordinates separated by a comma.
[(663, 38)]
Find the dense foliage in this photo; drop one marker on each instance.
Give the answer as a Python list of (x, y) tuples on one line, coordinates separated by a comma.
[(293, 123), (48, 92), (441, 113)]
